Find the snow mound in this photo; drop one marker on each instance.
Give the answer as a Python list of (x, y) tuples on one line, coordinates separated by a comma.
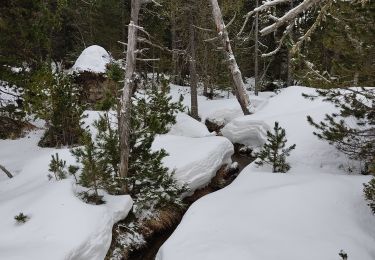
[(195, 160), (265, 216), (310, 213), (61, 226), (290, 109), (251, 133), (188, 126), (92, 59)]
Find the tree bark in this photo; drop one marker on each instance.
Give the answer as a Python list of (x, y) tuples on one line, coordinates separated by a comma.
[(127, 92), (174, 46), (256, 52), (239, 86), (192, 67), (6, 171), (289, 16)]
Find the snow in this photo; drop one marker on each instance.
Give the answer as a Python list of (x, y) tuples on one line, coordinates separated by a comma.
[(222, 110), (92, 59), (311, 212), (61, 226), (188, 126), (195, 161), (8, 95)]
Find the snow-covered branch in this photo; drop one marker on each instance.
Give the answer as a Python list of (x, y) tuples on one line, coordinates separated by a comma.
[(290, 15)]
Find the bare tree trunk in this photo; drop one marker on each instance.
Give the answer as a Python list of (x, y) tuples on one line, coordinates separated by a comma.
[(125, 103), (355, 80), (205, 79), (239, 86), (174, 46), (256, 52), (192, 68), (6, 171), (289, 80)]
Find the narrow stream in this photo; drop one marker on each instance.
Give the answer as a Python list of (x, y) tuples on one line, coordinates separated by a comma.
[(149, 252)]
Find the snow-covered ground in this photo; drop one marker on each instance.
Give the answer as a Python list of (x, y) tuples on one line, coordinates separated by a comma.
[(310, 213), (61, 226), (222, 110)]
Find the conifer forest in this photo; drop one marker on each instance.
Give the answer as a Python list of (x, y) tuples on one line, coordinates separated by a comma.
[(187, 129)]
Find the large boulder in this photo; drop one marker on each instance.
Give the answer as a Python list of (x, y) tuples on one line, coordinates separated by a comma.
[(90, 68)]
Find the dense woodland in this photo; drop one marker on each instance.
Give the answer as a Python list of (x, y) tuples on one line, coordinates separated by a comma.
[(218, 50), (340, 49)]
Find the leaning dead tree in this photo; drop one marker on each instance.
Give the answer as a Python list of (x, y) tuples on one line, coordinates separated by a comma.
[(287, 20), (239, 86), (6, 171)]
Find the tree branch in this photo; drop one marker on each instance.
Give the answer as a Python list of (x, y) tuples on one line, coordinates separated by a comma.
[(6, 171)]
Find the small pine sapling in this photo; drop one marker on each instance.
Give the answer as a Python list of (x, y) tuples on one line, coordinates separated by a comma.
[(274, 151), (343, 255), (57, 167), (94, 173), (21, 218)]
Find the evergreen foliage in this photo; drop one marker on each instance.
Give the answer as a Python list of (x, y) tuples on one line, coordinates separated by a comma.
[(21, 218), (57, 167), (369, 192), (150, 183), (55, 98), (95, 174), (352, 129), (343, 255), (274, 151), (340, 51)]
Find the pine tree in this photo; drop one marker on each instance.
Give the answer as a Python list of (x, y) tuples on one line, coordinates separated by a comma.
[(369, 191), (57, 167), (352, 129), (274, 151), (55, 98), (95, 173), (150, 182), (341, 49)]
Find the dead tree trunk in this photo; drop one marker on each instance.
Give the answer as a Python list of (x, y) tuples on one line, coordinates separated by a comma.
[(239, 86), (125, 102), (174, 46), (6, 171), (192, 68), (256, 52)]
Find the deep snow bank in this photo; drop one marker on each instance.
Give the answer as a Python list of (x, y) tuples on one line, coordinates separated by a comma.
[(92, 59), (195, 160), (310, 213), (61, 226), (188, 126), (265, 216)]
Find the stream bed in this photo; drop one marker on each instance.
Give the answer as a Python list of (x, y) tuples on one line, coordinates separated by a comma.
[(157, 240)]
